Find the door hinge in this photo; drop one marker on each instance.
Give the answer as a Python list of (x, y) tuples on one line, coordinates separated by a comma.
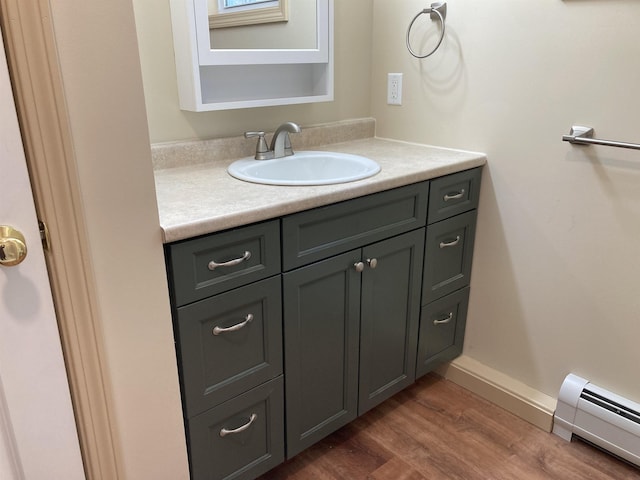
[(44, 235)]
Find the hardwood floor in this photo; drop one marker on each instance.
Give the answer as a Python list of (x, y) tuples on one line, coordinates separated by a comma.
[(438, 430)]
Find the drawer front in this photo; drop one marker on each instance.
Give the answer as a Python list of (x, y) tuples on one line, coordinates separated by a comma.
[(448, 256), (219, 262), (454, 194), (315, 234), (240, 439), (442, 325), (230, 343)]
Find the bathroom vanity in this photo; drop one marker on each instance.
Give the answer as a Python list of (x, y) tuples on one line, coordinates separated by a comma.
[(299, 308)]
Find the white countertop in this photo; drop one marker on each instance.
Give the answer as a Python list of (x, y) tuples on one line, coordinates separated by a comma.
[(200, 199)]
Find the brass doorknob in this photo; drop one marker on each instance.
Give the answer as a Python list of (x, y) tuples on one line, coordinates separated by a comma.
[(13, 246)]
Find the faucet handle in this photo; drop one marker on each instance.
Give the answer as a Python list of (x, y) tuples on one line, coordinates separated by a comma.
[(262, 149)]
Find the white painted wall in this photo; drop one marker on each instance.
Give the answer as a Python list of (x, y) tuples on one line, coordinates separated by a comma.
[(555, 280)]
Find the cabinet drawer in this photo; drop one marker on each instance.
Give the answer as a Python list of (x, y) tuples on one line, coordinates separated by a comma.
[(256, 446), (448, 256), (442, 325), (230, 343), (315, 234), (454, 194), (208, 265)]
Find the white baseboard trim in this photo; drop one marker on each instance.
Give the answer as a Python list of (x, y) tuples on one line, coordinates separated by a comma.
[(523, 401)]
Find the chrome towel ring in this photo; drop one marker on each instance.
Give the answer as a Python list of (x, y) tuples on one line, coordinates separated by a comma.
[(437, 11)]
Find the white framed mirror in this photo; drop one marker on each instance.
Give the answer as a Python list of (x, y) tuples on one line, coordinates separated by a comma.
[(302, 38)]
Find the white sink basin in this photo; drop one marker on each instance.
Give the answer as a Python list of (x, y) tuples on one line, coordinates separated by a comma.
[(305, 168)]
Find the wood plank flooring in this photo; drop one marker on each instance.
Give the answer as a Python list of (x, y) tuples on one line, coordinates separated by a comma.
[(438, 430)]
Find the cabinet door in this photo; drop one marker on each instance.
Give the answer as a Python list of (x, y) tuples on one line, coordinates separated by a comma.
[(390, 313), (321, 320)]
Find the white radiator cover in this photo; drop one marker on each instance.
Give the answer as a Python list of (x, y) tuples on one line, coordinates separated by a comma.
[(603, 418)]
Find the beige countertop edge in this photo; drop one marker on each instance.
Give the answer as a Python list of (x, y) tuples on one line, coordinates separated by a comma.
[(197, 200)]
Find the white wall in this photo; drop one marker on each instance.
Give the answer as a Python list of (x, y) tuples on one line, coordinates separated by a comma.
[(555, 280)]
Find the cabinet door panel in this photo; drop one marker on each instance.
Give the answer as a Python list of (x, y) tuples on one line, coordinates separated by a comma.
[(442, 326), (389, 319), (321, 318), (448, 253)]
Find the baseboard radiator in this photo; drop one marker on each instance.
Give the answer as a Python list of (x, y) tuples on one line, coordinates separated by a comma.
[(607, 420)]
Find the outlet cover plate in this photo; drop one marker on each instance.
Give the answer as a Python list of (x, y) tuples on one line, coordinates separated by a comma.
[(394, 89)]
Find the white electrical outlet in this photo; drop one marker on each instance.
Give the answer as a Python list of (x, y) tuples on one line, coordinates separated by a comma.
[(394, 89)]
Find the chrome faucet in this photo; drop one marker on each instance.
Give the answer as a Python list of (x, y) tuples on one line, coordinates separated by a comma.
[(280, 143)]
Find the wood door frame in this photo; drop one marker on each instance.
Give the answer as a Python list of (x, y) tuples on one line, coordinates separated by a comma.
[(42, 112)]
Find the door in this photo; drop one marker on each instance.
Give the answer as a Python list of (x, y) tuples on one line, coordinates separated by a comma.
[(390, 315), (321, 325), (38, 437)]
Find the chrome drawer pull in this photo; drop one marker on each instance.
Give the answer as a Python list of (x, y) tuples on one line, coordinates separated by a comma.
[(450, 244), (234, 328), (446, 320), (213, 264), (454, 196), (224, 432)]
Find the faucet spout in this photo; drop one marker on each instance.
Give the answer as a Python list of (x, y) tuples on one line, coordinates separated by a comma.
[(280, 143)]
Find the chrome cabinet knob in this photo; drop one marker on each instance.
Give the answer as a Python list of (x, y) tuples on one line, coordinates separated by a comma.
[(372, 262), (13, 246), (359, 266)]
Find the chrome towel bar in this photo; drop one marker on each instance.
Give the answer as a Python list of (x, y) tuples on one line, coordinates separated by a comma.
[(584, 136)]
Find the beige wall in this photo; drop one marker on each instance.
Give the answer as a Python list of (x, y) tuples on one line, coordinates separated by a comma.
[(353, 20), (555, 280), (96, 42), (555, 277)]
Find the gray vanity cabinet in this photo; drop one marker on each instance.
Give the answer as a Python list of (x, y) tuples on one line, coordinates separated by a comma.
[(289, 329)]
